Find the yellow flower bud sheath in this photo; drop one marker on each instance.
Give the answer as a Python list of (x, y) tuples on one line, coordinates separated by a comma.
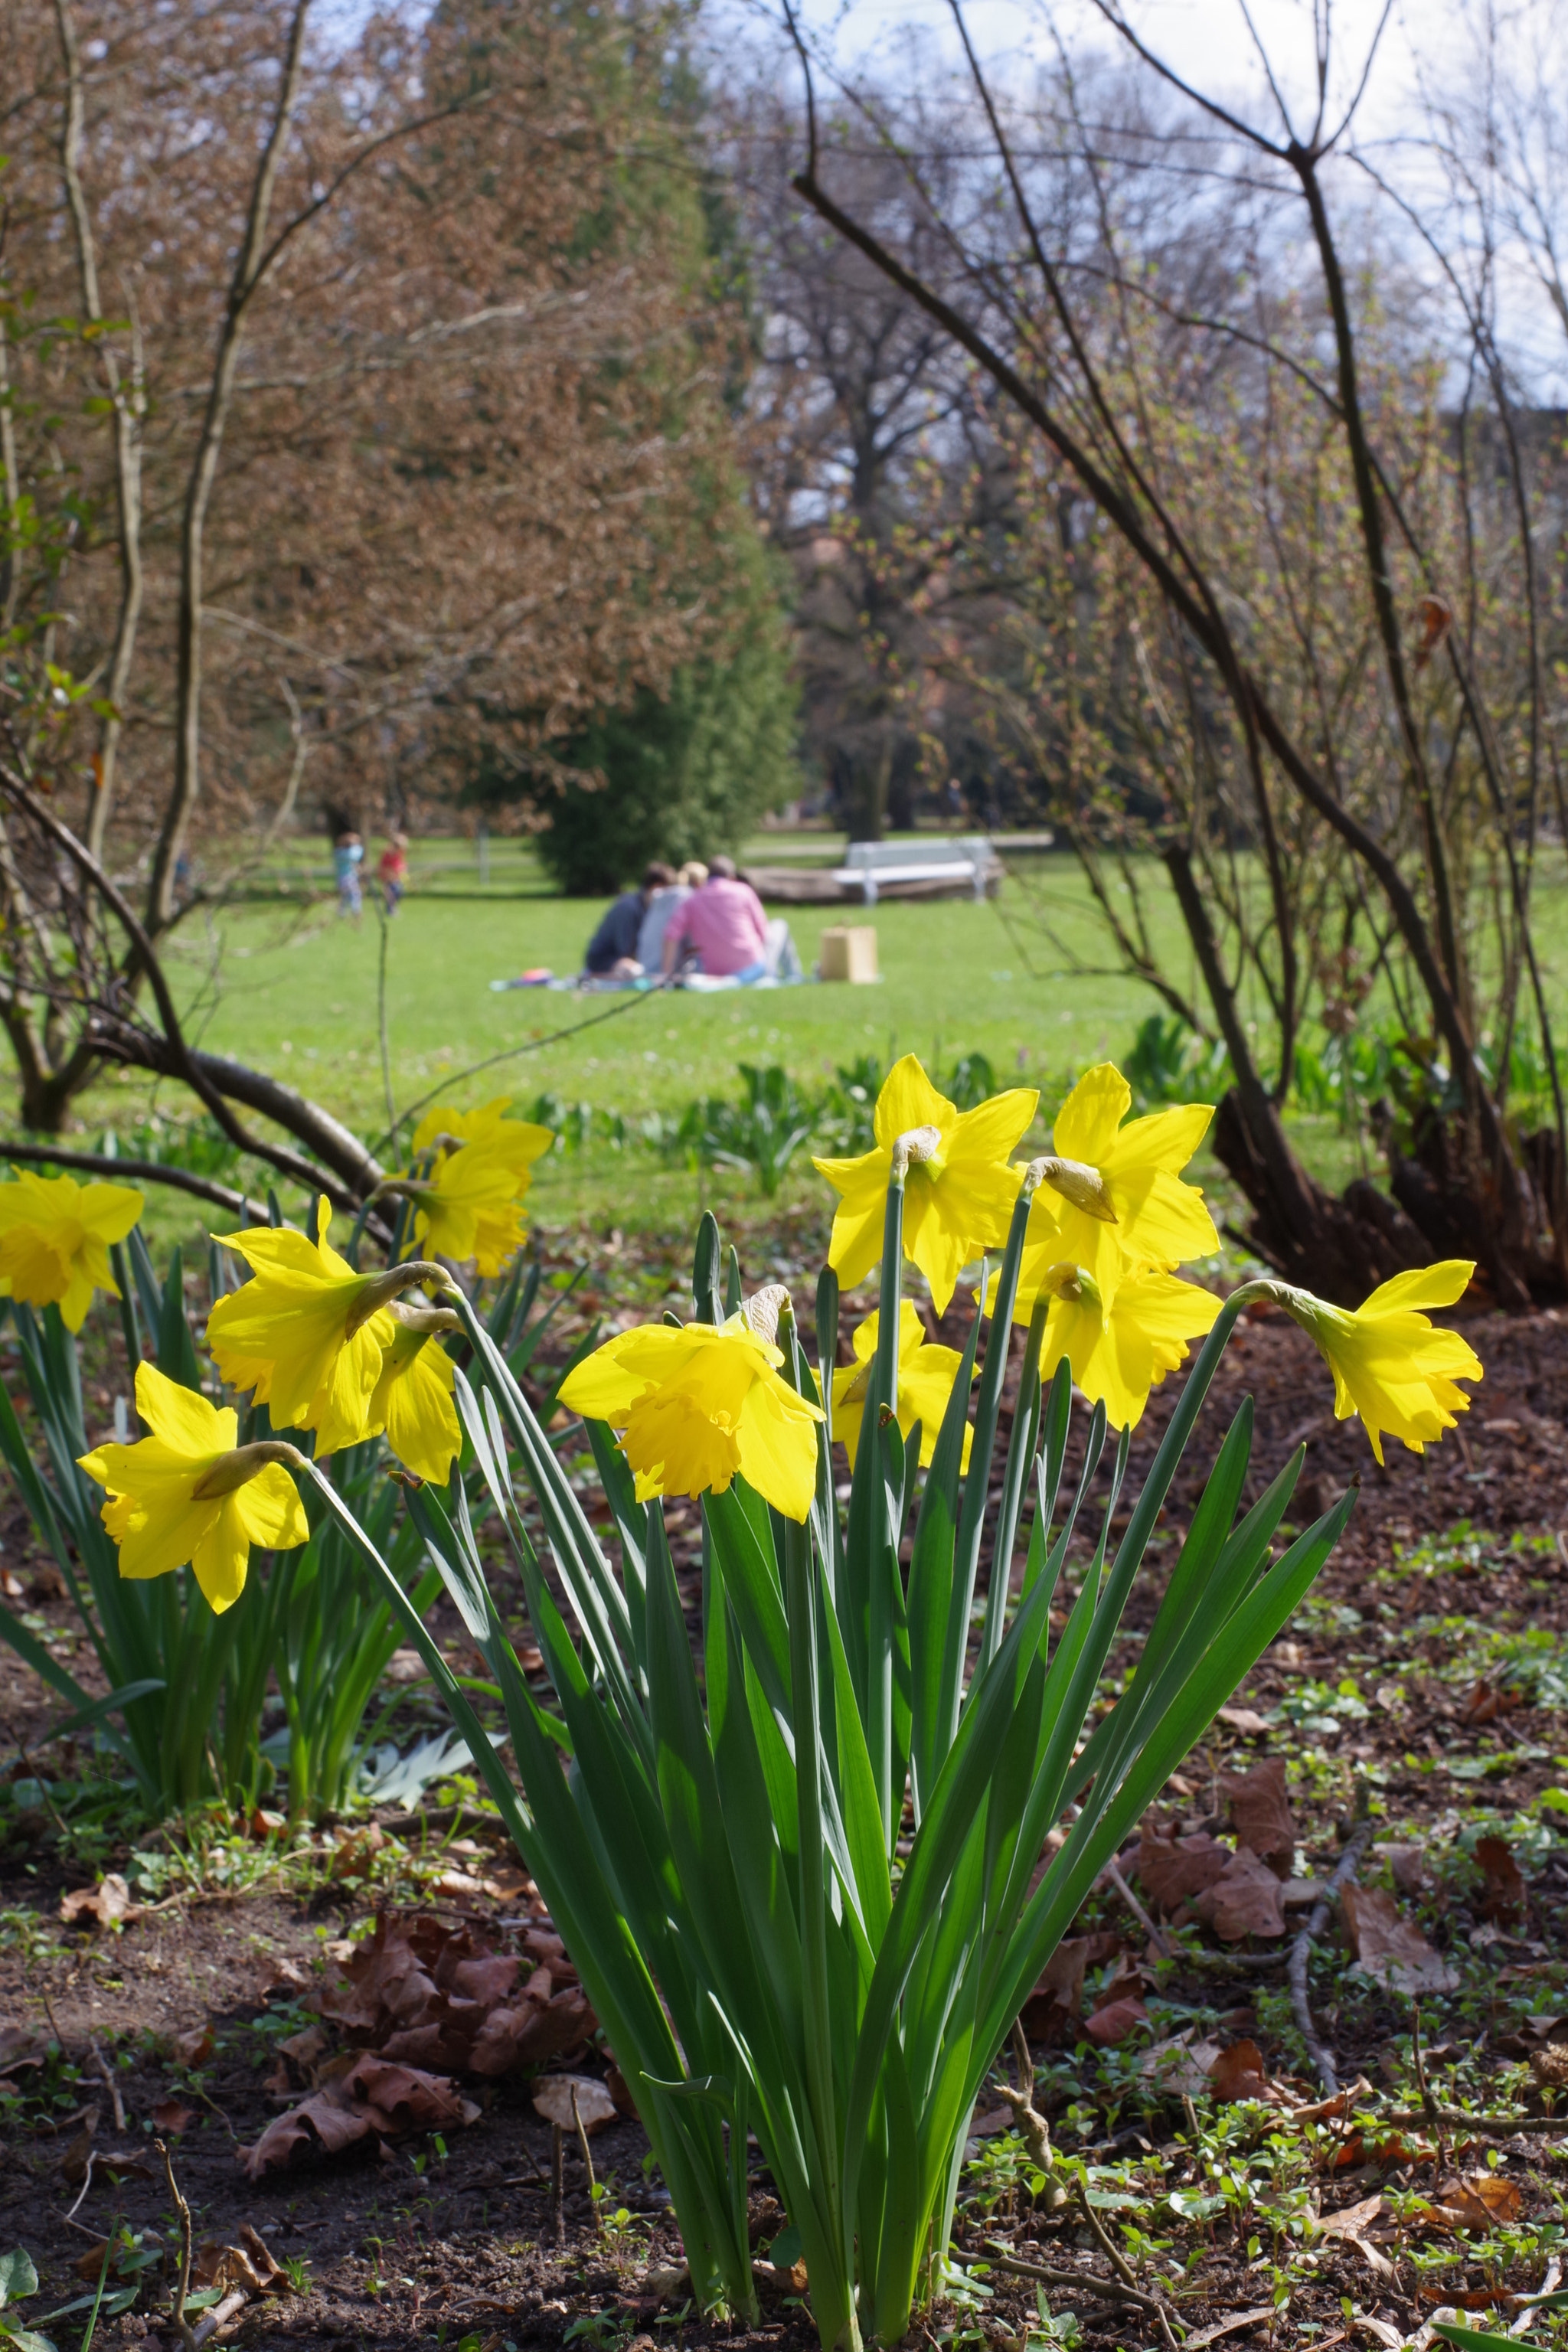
[(54, 1238), (187, 1495)]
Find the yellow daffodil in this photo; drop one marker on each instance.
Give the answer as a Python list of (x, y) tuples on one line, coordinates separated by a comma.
[(187, 1494), (467, 1207), (55, 1235), (1119, 1353), (1390, 1364), (517, 1143), (695, 1405), (1116, 1203), (307, 1334), (957, 1202), (412, 1396), (926, 1375)]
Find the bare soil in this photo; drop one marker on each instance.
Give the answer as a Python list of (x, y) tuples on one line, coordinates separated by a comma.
[(1446, 1557)]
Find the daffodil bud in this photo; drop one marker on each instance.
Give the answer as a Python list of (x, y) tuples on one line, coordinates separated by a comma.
[(914, 1149), (381, 1289), (762, 1310), (1084, 1186), (424, 1318), (239, 1465)]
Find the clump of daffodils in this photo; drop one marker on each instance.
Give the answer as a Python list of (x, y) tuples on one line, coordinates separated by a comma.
[(349, 1356)]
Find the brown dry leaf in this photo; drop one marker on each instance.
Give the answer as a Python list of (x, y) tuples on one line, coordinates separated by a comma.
[(367, 2098), (73, 2157), (1232, 2324), (48, 1585), (357, 1852), (174, 2116), (1351, 2220), (1180, 2064), (90, 2266), (431, 1995), (1388, 1949), (19, 2047), (617, 2084), (1172, 1871), (277, 2082), (1260, 1813), (1243, 1900), (1407, 1865), (553, 2100), (1549, 2066), (1476, 2201), (107, 1905), (1116, 2021), (1238, 2073), (1485, 1703), (987, 2126), (1050, 2014), (192, 2048), (305, 2048), (11, 1586), (241, 2262), (1243, 1719), (1504, 1898)]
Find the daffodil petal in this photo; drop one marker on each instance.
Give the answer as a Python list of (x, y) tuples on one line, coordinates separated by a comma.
[(908, 1099), (1087, 1122), (220, 1559), (183, 1418), (776, 1442)]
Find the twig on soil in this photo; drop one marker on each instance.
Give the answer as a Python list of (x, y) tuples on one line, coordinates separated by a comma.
[(109, 2084), (1454, 2120), (1318, 1919), (1112, 2290), (183, 2328), (587, 2163), (1157, 1935)]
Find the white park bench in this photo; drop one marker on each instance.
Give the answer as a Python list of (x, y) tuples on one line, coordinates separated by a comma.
[(870, 866)]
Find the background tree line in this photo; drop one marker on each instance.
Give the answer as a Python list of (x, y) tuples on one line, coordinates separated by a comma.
[(491, 412)]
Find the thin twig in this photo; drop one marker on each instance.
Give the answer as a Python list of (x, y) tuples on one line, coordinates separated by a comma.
[(1111, 2289), (183, 2328), (1318, 1919), (109, 2084), (1454, 2120), (1157, 1935), (587, 2163)]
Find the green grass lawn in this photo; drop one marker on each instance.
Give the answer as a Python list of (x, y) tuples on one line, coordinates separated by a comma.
[(294, 990)]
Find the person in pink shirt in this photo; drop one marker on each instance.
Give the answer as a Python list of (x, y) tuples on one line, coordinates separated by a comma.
[(723, 925)]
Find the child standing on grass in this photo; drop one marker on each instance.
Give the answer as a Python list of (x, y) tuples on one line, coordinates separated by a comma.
[(392, 872), (348, 855)]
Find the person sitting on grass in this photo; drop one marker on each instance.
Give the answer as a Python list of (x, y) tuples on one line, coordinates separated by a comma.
[(662, 907), (612, 950), (723, 927)]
